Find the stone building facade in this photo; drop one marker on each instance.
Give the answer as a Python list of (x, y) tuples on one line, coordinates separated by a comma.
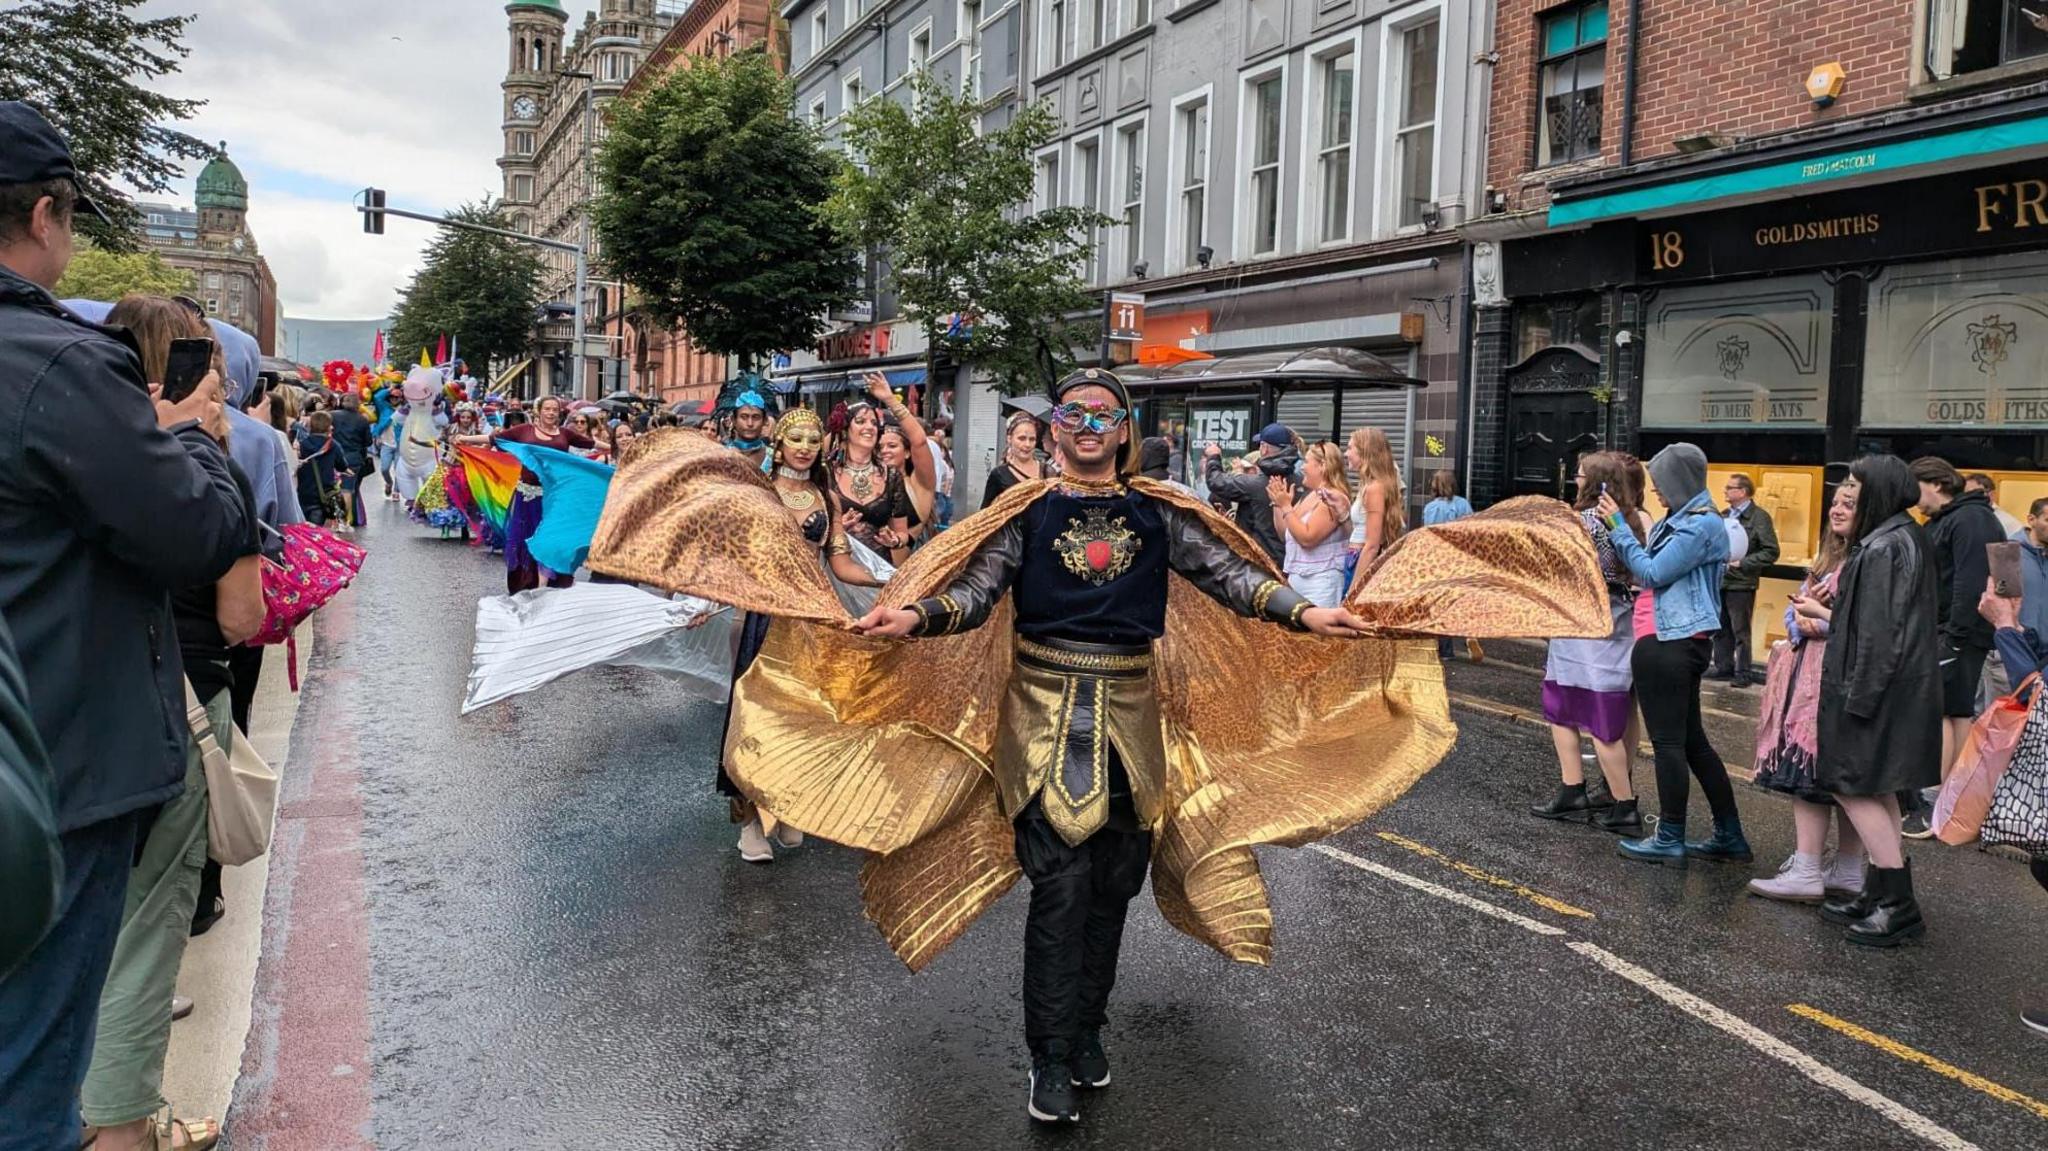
[(212, 241)]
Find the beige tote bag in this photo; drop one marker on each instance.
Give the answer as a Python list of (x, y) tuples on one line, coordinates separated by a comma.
[(241, 789)]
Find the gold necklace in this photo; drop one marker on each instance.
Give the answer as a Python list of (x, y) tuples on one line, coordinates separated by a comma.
[(801, 500), (1108, 487)]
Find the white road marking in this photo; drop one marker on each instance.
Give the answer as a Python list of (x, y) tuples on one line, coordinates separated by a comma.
[(1776, 1048), (1905, 1117), (1428, 888)]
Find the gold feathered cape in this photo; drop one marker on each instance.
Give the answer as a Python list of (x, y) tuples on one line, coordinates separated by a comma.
[(1272, 737)]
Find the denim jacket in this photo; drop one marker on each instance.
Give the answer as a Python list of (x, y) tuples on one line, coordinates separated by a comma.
[(1687, 556)]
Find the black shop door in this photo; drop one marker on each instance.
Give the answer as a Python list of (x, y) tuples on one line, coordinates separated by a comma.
[(1547, 433)]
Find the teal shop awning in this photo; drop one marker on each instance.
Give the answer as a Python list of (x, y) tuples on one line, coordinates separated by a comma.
[(1981, 146)]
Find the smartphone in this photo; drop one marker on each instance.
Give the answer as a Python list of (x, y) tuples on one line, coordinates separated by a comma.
[(187, 364), (2006, 579)]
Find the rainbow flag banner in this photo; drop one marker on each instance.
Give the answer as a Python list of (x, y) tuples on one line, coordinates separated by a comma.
[(493, 476)]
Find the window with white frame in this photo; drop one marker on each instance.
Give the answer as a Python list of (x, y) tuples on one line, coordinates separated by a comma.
[(1088, 196), (1264, 114), (1094, 24), (1130, 15), (969, 33), (1414, 96), (1046, 192), (1191, 181), (522, 188), (1333, 136), (921, 48), (821, 33), (853, 11), (522, 143), (1130, 195), (818, 111), (852, 93), (1055, 33)]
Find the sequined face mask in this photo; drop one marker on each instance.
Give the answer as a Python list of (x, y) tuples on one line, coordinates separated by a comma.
[(802, 441), (1097, 418)]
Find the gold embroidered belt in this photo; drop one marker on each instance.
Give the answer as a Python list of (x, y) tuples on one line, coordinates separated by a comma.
[(1091, 658)]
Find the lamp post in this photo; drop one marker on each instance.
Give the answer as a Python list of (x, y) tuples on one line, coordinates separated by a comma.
[(583, 224)]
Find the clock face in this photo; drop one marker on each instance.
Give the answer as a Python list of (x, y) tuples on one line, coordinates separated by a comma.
[(238, 243), (524, 108)]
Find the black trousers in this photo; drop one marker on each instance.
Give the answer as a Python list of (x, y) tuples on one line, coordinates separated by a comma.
[(1668, 686), (1075, 925), (1731, 643)]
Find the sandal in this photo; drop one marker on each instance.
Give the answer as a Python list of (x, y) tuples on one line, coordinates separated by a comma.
[(199, 1134)]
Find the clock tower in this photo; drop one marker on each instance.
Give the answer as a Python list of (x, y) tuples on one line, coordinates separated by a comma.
[(535, 38)]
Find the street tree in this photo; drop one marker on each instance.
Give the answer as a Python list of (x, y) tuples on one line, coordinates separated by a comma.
[(945, 207), (97, 273), (710, 206), (86, 64), (475, 288)]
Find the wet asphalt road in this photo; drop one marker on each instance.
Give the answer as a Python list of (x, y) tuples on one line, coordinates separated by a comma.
[(528, 929)]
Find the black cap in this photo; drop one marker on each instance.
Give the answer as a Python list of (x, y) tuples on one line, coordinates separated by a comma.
[(31, 151)]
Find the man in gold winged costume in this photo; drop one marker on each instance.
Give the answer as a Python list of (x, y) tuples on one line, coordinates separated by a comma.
[(1106, 675)]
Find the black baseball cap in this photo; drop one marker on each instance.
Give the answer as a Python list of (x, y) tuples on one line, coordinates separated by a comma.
[(31, 151)]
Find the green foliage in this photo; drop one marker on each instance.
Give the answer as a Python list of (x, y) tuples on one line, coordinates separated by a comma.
[(943, 203), (479, 290), (83, 64), (709, 206), (98, 274)]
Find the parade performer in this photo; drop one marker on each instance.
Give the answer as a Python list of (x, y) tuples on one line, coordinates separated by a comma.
[(750, 427), (1097, 687), (522, 571), (418, 438)]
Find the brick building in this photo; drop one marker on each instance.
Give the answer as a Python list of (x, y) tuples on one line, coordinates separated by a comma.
[(1789, 231), (212, 241), (663, 362)]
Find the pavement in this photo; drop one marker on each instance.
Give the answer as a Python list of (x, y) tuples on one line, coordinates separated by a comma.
[(528, 928)]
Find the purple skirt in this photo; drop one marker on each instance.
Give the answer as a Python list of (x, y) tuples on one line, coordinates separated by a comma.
[(1603, 713)]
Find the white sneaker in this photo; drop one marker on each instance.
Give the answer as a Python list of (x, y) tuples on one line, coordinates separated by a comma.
[(787, 836), (1798, 881), (754, 846), (1844, 876)]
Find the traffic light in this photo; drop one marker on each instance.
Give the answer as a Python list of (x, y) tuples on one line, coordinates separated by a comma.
[(373, 211)]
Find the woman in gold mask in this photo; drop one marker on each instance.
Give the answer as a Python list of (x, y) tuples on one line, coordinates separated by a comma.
[(805, 488)]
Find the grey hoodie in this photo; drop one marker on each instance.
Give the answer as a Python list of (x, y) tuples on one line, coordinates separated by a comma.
[(1679, 473)]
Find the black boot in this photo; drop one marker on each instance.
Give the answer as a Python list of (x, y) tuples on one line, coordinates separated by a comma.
[(1894, 916), (1568, 803), (1843, 912), (1621, 819), (1598, 798)]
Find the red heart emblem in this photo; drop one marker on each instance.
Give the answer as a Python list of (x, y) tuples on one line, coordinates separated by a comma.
[(1098, 555)]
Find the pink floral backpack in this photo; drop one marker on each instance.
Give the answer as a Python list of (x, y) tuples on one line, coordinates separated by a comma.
[(317, 564)]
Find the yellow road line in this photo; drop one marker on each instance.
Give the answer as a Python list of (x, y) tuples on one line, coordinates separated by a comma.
[(1535, 897), (1899, 1050)]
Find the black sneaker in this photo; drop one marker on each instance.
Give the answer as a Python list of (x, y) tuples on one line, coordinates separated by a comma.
[(1052, 1092), (1914, 826), (1091, 1062), (1717, 674), (2036, 1018)]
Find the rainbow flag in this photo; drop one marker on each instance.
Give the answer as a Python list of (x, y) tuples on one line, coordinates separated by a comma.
[(492, 475)]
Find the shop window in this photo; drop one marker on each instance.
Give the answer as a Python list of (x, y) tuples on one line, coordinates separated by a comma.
[(1966, 36), (1739, 356), (1573, 76), (1958, 343), (1541, 324)]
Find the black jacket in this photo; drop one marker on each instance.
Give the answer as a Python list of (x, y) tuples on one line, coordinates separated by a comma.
[(1958, 534), (1880, 681), (102, 514), (1254, 511), (1763, 549), (31, 866), (351, 438)]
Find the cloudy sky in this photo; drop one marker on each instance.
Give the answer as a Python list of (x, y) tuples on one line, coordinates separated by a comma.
[(317, 100)]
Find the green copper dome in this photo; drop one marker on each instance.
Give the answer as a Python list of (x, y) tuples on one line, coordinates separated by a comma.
[(221, 184), (550, 5)]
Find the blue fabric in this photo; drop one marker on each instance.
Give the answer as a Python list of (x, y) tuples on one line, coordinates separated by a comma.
[(1684, 563), (2020, 649), (244, 358), (1444, 510), (52, 1001), (573, 492)]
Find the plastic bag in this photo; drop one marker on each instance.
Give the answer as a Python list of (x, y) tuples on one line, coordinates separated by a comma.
[(1966, 796)]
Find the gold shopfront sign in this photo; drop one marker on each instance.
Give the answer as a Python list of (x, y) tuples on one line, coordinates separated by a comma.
[(1959, 213)]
